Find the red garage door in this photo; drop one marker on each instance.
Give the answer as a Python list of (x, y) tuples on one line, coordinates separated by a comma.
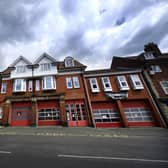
[(106, 114), (138, 113), (21, 114), (48, 113)]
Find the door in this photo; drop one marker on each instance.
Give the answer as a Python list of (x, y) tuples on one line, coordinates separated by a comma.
[(76, 114)]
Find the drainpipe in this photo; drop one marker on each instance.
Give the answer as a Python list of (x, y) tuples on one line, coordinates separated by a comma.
[(88, 101), (147, 84)]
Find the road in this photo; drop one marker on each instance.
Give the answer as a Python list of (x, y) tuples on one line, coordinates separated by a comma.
[(83, 151)]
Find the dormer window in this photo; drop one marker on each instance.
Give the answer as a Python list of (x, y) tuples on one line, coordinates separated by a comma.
[(148, 55), (69, 62), (45, 67), (20, 69)]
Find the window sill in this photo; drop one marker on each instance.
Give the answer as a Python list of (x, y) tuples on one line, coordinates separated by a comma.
[(95, 91)]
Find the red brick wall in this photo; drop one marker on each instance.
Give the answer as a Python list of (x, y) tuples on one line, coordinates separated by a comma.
[(161, 76)]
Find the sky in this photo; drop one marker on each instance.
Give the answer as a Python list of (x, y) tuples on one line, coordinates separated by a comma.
[(91, 31)]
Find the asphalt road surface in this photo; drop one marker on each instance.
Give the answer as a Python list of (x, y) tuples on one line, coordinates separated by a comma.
[(91, 148), (30, 151)]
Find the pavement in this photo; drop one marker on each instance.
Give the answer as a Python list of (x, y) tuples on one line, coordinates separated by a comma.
[(86, 131)]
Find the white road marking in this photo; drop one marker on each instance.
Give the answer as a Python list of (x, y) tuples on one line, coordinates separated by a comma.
[(112, 158), (5, 152)]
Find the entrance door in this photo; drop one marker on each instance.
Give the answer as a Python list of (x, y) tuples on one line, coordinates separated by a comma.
[(76, 114)]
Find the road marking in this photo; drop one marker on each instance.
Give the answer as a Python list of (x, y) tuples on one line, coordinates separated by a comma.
[(112, 158), (5, 152)]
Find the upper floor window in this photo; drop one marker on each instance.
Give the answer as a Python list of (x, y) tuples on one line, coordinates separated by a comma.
[(37, 85), (19, 85), (20, 69), (164, 85), (72, 82), (49, 82), (69, 62), (1, 112), (69, 82), (3, 87), (94, 85), (148, 55), (76, 82), (122, 82), (45, 67), (106, 84), (136, 82), (30, 85), (155, 68)]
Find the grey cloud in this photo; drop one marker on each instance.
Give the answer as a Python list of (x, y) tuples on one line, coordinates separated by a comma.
[(18, 18), (153, 33), (69, 7)]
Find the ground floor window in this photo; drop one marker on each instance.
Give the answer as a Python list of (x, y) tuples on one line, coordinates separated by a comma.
[(138, 114), (49, 114), (75, 112), (106, 115)]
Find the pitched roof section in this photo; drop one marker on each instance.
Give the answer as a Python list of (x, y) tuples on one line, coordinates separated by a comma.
[(126, 63), (19, 59), (77, 65), (45, 55)]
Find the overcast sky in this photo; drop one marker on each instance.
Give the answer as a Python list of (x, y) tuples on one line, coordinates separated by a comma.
[(92, 31)]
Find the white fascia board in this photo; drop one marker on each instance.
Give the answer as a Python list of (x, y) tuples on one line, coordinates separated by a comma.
[(113, 73)]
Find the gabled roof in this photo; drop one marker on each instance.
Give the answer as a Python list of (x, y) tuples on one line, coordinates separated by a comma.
[(45, 55), (19, 59)]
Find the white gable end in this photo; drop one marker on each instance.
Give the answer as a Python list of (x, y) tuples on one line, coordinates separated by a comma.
[(21, 70), (45, 68)]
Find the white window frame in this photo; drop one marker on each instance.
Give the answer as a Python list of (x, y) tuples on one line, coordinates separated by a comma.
[(165, 88), (76, 82), (3, 87), (94, 85), (69, 82), (20, 69), (106, 84), (148, 55), (22, 85), (155, 68), (30, 86), (122, 82), (136, 82), (45, 67), (69, 62), (52, 80), (37, 85), (1, 112)]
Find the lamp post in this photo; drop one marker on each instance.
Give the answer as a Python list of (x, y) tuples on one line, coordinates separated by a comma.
[(33, 98)]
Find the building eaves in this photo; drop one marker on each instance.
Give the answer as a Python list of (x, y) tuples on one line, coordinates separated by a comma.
[(45, 55), (19, 59)]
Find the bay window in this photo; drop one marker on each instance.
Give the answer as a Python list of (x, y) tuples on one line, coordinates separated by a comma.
[(49, 82)]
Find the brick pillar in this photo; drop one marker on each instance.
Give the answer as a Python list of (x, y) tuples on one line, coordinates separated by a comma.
[(6, 120), (62, 110), (122, 114), (34, 112)]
